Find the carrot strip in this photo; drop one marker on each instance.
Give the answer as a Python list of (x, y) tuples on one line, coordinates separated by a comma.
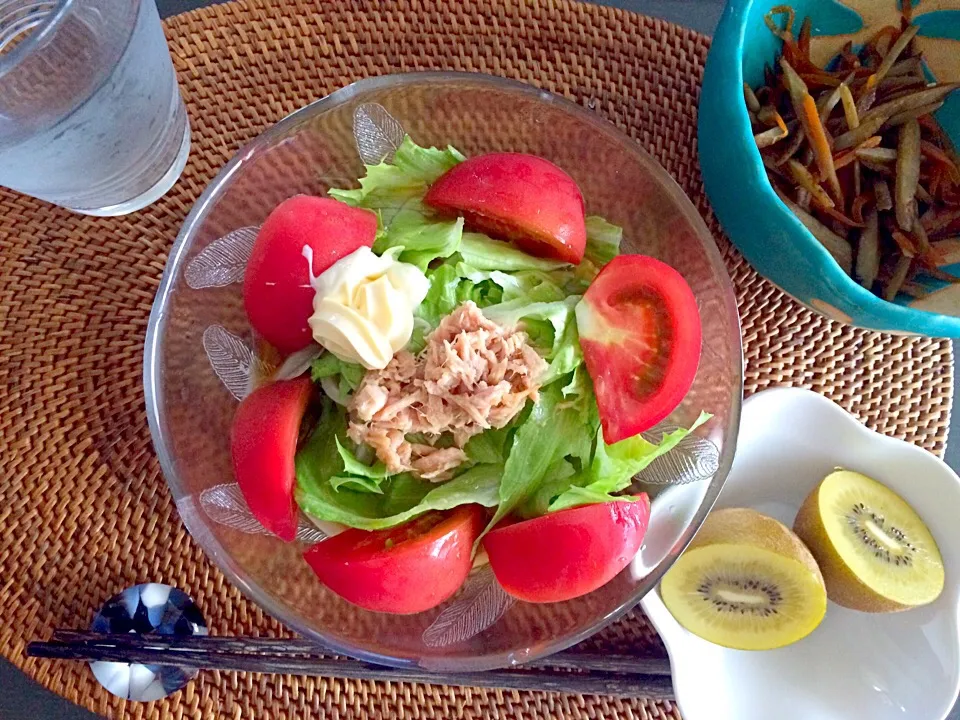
[(845, 157), (806, 109), (904, 243), (888, 33), (835, 214), (935, 180), (858, 205), (820, 79), (929, 123), (821, 146), (932, 152)]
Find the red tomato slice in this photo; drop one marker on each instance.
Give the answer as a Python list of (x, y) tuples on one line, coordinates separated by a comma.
[(276, 286), (403, 570), (640, 333), (566, 554), (263, 442), (518, 197)]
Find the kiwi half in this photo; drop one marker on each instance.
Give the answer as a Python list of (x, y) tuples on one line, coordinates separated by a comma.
[(746, 582), (875, 553)]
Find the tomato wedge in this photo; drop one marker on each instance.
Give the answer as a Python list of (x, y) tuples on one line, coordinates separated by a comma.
[(566, 554), (517, 197), (277, 294), (403, 570), (263, 442), (640, 332)]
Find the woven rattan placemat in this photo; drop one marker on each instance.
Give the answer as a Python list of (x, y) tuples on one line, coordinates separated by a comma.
[(84, 510)]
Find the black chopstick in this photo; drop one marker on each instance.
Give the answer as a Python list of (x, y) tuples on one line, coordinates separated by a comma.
[(570, 671)]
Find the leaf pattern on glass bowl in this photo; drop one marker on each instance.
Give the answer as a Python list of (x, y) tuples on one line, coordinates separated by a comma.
[(222, 262), (377, 133), (232, 360), (692, 460), (224, 504), (479, 605)]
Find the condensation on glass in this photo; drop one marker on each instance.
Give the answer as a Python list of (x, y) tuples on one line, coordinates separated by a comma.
[(91, 117)]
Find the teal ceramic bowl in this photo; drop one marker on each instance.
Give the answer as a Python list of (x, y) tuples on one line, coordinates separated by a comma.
[(757, 222)]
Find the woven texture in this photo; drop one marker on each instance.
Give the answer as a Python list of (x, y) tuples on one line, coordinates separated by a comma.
[(83, 506)]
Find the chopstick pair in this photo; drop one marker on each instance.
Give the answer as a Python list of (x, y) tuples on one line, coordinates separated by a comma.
[(569, 671)]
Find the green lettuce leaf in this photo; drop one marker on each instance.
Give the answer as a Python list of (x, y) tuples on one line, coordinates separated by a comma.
[(541, 440), (422, 237), (329, 365), (441, 299), (352, 466), (483, 294), (492, 446), (403, 497), (603, 240), (577, 394), (449, 289), (528, 285), (576, 495), (558, 313), (614, 466), (551, 327), (388, 188), (332, 461), (354, 482), (484, 253), (566, 354), (426, 164)]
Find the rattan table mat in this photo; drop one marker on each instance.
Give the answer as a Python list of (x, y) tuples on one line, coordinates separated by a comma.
[(84, 510)]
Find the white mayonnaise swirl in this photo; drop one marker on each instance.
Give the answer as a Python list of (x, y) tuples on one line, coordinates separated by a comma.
[(363, 306)]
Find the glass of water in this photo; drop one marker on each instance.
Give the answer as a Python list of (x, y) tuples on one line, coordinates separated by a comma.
[(90, 114)]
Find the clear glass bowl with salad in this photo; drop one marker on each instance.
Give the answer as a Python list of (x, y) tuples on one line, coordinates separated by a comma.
[(444, 370)]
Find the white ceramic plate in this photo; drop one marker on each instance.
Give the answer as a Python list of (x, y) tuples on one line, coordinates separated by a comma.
[(902, 666)]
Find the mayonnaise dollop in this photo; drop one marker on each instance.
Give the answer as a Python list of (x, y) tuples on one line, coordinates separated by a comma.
[(363, 306)]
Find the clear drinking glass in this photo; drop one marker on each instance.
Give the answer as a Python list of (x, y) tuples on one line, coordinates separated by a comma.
[(90, 114)]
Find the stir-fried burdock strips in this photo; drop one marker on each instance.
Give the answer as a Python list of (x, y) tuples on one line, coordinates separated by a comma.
[(854, 151)]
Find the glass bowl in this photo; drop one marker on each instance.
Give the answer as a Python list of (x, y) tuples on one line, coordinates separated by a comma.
[(199, 356)]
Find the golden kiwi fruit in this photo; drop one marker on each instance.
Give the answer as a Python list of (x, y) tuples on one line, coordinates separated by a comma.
[(745, 582), (875, 553)]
